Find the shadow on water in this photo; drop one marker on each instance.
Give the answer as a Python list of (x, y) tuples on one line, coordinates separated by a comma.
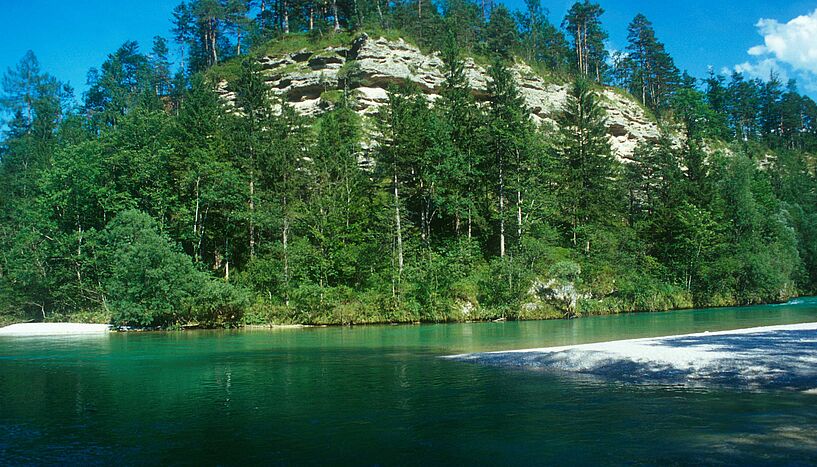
[(785, 359)]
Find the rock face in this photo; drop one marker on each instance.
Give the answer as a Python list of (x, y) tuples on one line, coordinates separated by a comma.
[(560, 294), (369, 65)]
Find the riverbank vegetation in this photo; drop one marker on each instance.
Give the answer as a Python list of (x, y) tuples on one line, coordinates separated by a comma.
[(148, 202)]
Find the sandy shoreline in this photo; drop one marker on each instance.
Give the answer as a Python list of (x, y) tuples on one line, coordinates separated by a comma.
[(53, 329), (763, 357)]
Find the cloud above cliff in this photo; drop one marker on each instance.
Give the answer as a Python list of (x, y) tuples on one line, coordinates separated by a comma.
[(793, 43), (789, 49)]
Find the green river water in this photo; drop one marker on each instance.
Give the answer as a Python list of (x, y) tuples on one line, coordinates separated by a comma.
[(382, 396)]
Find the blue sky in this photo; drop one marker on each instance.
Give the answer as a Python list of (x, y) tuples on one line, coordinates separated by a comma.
[(69, 37)]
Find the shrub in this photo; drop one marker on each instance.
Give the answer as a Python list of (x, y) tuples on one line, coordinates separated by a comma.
[(150, 282)]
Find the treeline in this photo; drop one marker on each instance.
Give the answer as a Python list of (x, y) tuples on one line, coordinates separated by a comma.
[(151, 203)]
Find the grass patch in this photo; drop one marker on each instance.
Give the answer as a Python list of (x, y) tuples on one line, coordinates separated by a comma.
[(311, 41), (82, 316)]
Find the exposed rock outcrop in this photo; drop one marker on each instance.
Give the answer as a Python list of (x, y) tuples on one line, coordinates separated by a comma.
[(369, 65), (559, 294)]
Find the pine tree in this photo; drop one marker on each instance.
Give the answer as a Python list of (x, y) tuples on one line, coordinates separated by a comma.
[(654, 76), (770, 96), (742, 107), (509, 131), (160, 65), (253, 98), (459, 169), (501, 33), (583, 25), (588, 190), (123, 84), (543, 42)]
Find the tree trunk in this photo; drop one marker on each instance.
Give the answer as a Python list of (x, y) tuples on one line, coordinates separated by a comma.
[(399, 230), (519, 216), (286, 18), (335, 15), (501, 208), (518, 198), (469, 222), (213, 48), (579, 48), (252, 216), (196, 254), (285, 239)]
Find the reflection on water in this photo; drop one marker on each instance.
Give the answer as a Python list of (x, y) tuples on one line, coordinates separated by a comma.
[(380, 395)]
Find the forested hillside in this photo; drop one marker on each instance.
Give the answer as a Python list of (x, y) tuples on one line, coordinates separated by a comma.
[(151, 200)]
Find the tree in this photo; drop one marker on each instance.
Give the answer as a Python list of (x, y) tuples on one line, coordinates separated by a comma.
[(542, 41), (742, 107), (509, 135), (460, 168), (792, 120), (236, 17), (583, 24), (338, 200), (149, 282), (501, 34), (199, 25), (654, 76), (770, 115), (160, 67), (464, 23), (588, 172), (31, 97), (123, 83), (405, 154), (211, 197)]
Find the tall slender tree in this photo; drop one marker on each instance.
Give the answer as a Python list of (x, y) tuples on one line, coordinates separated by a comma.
[(583, 25), (588, 190)]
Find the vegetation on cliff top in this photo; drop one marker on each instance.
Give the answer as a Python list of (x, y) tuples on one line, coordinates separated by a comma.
[(148, 203)]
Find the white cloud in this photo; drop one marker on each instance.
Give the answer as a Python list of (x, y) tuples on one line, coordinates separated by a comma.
[(793, 43), (762, 69), (789, 50)]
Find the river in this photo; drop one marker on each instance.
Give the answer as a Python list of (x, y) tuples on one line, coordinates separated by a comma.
[(381, 395)]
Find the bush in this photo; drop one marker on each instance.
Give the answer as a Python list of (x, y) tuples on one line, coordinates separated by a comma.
[(149, 282)]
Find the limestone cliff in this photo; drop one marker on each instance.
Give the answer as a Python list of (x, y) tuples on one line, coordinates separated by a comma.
[(368, 65)]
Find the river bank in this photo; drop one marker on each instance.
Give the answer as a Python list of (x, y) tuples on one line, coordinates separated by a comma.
[(96, 323)]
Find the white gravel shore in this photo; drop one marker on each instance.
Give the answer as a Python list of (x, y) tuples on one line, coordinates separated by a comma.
[(52, 329), (764, 357)]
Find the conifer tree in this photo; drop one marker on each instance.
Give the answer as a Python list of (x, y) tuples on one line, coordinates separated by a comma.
[(460, 167), (543, 42), (501, 33), (588, 189), (509, 130), (654, 76), (583, 24)]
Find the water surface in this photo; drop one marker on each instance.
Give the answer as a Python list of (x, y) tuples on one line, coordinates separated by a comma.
[(381, 395)]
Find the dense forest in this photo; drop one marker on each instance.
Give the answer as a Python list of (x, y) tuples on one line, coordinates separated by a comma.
[(148, 202)]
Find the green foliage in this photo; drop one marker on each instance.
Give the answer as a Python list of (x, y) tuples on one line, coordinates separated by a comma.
[(154, 204), (149, 282), (590, 192), (583, 25)]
